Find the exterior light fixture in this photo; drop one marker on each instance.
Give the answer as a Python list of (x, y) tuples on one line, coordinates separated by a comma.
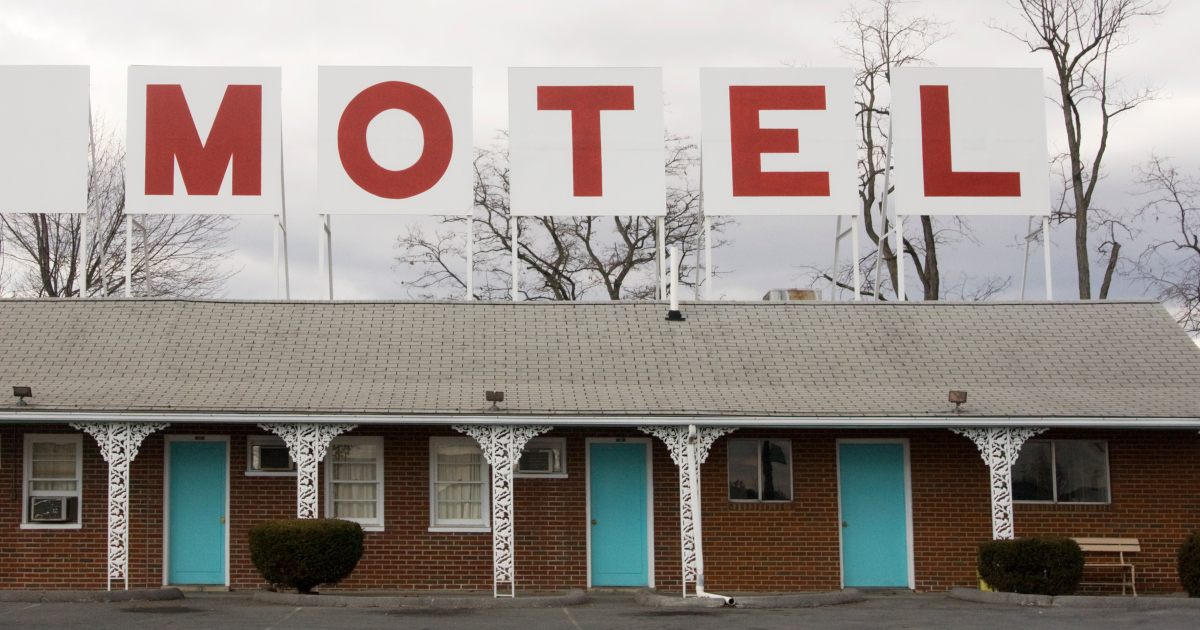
[(494, 397), (958, 398), (22, 393)]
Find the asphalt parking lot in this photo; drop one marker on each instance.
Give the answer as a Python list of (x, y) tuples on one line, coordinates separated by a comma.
[(617, 612)]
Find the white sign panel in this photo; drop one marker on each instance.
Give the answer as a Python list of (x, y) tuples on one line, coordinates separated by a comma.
[(203, 140), (586, 141), (779, 141), (970, 141), (394, 140), (44, 135)]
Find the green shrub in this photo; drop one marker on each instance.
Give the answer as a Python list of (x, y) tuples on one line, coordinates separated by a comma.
[(1039, 565), (304, 553), (1189, 564)]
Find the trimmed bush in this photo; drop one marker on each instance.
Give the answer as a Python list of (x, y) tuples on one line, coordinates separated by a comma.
[(304, 553), (1038, 565), (1189, 564)]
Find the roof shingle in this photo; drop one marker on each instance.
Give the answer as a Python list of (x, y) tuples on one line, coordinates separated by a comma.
[(1124, 359)]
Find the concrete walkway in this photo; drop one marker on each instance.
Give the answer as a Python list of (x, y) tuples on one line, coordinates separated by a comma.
[(443, 600), (1074, 601), (603, 611)]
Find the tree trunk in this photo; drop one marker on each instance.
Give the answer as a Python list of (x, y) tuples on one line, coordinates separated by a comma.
[(1108, 272), (933, 280)]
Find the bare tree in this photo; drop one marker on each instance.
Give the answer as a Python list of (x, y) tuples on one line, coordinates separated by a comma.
[(182, 252), (1081, 36), (878, 39), (562, 258), (1171, 266)]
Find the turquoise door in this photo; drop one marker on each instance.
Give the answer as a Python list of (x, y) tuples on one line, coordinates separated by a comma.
[(196, 549), (874, 515), (617, 487)]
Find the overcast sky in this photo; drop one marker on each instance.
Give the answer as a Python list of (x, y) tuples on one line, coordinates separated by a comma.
[(679, 36)]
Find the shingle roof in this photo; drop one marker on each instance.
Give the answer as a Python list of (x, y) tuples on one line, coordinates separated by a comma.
[(1123, 359)]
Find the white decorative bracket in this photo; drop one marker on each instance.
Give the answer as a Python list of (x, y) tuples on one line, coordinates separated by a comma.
[(676, 439), (307, 443), (502, 445), (118, 442), (1000, 447)]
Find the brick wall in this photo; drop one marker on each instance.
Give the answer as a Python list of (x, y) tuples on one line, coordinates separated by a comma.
[(777, 547), (1155, 480)]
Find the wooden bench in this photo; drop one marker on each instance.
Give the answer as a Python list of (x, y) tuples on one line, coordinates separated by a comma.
[(1119, 546)]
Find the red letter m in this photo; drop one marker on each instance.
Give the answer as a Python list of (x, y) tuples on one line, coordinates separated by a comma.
[(171, 136)]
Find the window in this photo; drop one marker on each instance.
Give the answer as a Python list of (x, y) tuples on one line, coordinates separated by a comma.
[(543, 457), (760, 470), (53, 479), (354, 481), (459, 485), (268, 456), (1062, 471)]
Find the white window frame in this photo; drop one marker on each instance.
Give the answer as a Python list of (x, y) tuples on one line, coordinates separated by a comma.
[(484, 524), (1054, 475), (557, 443), (58, 438), (791, 465), (368, 524), (265, 440)]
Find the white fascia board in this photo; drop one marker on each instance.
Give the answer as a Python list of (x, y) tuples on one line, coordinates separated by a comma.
[(844, 422)]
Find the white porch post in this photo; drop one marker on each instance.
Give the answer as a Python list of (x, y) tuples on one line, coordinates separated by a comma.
[(676, 439), (307, 443), (999, 447), (118, 442), (502, 445)]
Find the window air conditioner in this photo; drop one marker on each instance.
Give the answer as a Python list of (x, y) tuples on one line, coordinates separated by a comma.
[(538, 461), (48, 510), (271, 458)]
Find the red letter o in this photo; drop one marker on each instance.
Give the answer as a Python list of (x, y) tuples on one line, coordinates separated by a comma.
[(352, 140)]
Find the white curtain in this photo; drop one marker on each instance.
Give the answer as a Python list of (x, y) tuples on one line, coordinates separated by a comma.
[(354, 463), (51, 461), (459, 483)]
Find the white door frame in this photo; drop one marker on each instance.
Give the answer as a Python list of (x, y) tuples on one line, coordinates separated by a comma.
[(166, 560), (908, 509), (587, 449)]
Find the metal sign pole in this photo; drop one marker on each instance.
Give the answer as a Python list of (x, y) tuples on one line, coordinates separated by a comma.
[(321, 250), (275, 251), (83, 249), (854, 252), (145, 253), (328, 238), (128, 255), (699, 247), (515, 265), (838, 235), (708, 280), (471, 255), (698, 236), (708, 293), (287, 285), (85, 245), (1025, 265), (1046, 247), (900, 295), (660, 230)]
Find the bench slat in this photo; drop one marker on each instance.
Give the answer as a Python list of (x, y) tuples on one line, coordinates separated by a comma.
[(1112, 545)]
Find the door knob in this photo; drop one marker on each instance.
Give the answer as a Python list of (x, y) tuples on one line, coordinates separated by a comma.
[(593, 521), (843, 523), (222, 519)]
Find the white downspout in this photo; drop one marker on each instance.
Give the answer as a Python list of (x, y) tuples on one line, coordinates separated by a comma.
[(694, 475)]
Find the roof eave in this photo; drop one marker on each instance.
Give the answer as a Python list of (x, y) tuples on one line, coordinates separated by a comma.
[(801, 422)]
